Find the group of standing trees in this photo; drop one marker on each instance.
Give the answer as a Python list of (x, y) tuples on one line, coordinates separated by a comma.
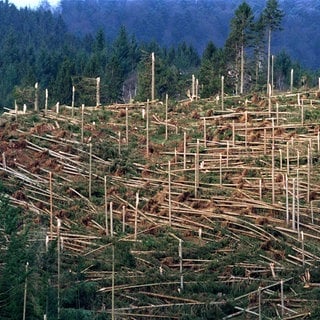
[(38, 48), (247, 36)]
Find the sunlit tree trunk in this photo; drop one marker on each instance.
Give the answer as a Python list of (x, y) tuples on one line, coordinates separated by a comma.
[(269, 54), (242, 70)]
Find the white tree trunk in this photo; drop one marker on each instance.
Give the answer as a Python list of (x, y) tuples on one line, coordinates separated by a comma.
[(242, 70), (269, 53)]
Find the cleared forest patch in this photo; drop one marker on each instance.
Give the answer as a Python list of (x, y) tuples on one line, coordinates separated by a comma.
[(194, 212)]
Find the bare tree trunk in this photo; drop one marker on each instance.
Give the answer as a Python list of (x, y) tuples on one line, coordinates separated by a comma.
[(59, 266), (222, 92), (153, 77), (166, 133), (46, 102), (25, 293), (36, 98), (272, 72), (51, 205), (98, 92), (242, 70), (106, 205), (147, 128), (127, 127), (72, 102), (169, 191), (90, 171), (269, 53)]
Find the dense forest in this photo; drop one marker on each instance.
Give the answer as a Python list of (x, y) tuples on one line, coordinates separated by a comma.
[(194, 21), (45, 46)]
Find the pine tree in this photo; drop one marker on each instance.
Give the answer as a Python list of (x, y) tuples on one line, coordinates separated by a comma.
[(98, 59), (114, 80), (63, 83), (258, 44), (213, 65), (272, 17), (240, 35), (283, 65), (16, 251)]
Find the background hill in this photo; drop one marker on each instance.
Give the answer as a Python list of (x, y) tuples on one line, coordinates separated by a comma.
[(196, 22), (72, 45), (218, 220)]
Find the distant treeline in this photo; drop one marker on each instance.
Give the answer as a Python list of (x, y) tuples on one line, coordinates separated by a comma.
[(195, 22), (46, 47)]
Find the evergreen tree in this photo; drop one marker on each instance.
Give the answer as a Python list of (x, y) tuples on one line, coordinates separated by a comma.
[(121, 50), (282, 67), (144, 78), (98, 59), (209, 51), (114, 80), (212, 67), (272, 17), (121, 65), (63, 83), (144, 70), (186, 58), (240, 35), (16, 252), (167, 79), (258, 44)]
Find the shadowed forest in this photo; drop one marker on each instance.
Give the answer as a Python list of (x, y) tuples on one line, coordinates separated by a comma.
[(113, 40)]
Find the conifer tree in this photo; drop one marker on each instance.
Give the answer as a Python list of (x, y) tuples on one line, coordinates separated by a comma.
[(16, 251), (114, 80), (240, 36), (272, 17), (258, 44), (211, 68), (63, 84)]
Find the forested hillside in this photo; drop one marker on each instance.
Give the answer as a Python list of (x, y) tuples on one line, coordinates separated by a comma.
[(84, 40), (36, 47), (195, 21)]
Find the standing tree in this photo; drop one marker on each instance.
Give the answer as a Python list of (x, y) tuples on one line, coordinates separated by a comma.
[(97, 62), (114, 80), (258, 45), (63, 82), (144, 77), (282, 68), (240, 36), (126, 50), (272, 17), (211, 68), (20, 245), (124, 59)]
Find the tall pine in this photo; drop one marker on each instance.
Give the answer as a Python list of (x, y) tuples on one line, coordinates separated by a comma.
[(239, 38), (272, 17)]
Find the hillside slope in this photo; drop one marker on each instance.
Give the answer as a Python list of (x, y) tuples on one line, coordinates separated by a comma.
[(201, 218)]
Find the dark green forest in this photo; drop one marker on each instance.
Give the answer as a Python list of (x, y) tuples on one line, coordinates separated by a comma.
[(41, 46), (194, 21)]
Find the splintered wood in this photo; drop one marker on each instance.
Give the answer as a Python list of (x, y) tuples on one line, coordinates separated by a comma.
[(239, 171)]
